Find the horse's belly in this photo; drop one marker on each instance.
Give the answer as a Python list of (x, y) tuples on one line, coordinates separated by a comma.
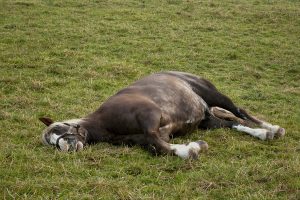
[(184, 118)]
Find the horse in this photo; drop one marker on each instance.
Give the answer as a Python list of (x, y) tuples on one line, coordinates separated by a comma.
[(152, 111)]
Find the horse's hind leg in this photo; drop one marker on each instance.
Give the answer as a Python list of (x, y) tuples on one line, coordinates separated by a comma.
[(249, 122), (209, 93), (211, 122), (227, 115), (275, 129)]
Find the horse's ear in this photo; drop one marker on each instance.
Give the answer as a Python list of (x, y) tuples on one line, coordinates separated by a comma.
[(46, 120)]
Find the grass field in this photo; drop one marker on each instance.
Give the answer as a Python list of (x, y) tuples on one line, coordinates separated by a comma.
[(64, 58)]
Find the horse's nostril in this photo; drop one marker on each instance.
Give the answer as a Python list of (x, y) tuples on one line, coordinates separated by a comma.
[(79, 146), (67, 142), (63, 145)]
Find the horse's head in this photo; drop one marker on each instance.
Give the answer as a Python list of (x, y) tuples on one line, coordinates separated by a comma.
[(66, 135)]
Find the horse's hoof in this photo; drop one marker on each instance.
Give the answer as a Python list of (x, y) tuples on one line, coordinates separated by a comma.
[(280, 132), (203, 145)]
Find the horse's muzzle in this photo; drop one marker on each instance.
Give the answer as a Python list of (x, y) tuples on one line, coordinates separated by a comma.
[(69, 142)]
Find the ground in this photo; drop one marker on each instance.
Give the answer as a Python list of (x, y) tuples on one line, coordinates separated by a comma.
[(64, 58)]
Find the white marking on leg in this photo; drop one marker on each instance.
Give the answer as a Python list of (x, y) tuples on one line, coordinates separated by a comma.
[(269, 126), (275, 129), (183, 151), (180, 150), (256, 132)]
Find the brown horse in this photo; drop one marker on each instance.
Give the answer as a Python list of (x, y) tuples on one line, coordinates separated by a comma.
[(154, 109)]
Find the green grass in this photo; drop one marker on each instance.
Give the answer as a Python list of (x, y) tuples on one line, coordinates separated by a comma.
[(64, 58)]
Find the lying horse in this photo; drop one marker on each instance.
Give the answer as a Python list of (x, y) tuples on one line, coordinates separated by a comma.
[(153, 110)]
